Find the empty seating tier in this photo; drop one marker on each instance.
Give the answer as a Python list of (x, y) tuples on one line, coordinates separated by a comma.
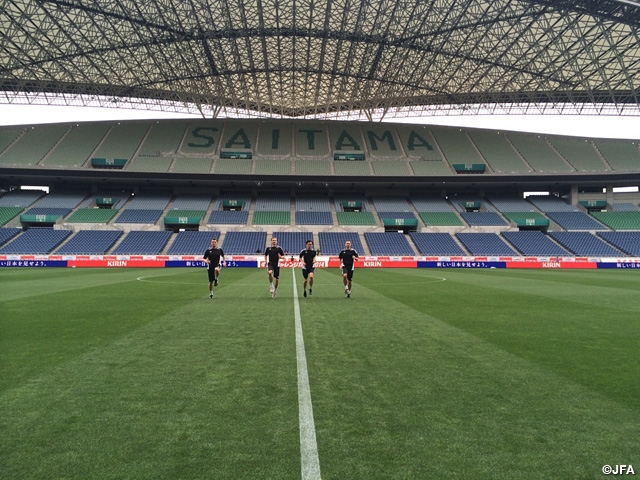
[(391, 243), (8, 213), (192, 243), (585, 244), (292, 242), (36, 241), (535, 243), (92, 215), (619, 220), (7, 234), (143, 243), (331, 243), (485, 244), (437, 244), (244, 243), (90, 242), (628, 242), (442, 219), (356, 218)]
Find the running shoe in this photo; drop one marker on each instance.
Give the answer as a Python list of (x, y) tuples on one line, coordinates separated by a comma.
[(305, 294)]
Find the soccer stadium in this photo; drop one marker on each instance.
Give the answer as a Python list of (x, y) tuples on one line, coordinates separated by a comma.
[(491, 329)]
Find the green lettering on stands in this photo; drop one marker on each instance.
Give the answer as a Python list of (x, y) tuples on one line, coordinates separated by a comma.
[(197, 133), (311, 143), (346, 140), (239, 139), (386, 136), (415, 140)]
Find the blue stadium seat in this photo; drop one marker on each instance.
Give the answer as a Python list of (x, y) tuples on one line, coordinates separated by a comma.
[(388, 243)]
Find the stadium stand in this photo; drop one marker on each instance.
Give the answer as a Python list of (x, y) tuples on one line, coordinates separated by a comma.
[(511, 204), (9, 135), (142, 243), (498, 153), (92, 215), (585, 244), (441, 219), (36, 241), (274, 139), (149, 201), (579, 152), (391, 243), (90, 242), (312, 140), (65, 200), (191, 201), (163, 139), (356, 218), (456, 146), (390, 167), (628, 242), (537, 153), (244, 243), (228, 218), (192, 243), (150, 164), (20, 198), (312, 167), (485, 244), (9, 213), (53, 212), (122, 140), (31, 147), (624, 207), (352, 168), (7, 234), (383, 142), (136, 215), (292, 242), (331, 243), (575, 221), (439, 244), (619, 220), (314, 218), (621, 155), (391, 204), (549, 203), (431, 204), (483, 219), (535, 243), (192, 165), (273, 167), (76, 146), (313, 210)]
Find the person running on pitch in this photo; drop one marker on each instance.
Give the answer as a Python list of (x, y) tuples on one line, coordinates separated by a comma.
[(272, 256), (212, 257), (347, 258), (307, 256)]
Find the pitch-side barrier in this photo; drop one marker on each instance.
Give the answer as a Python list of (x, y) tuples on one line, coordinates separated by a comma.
[(323, 261)]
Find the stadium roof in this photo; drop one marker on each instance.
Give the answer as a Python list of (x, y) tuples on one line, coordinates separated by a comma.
[(324, 58)]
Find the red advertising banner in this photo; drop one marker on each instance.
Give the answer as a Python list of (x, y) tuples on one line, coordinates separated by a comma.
[(115, 263)]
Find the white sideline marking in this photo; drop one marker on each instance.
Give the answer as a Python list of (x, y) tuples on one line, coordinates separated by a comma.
[(308, 446)]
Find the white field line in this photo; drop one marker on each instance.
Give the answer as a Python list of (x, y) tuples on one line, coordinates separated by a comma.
[(308, 446)]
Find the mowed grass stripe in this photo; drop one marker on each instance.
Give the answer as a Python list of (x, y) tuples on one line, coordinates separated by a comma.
[(583, 336), (207, 390), (401, 393), (308, 446)]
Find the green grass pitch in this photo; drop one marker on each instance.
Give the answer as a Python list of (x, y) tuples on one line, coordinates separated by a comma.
[(422, 374)]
